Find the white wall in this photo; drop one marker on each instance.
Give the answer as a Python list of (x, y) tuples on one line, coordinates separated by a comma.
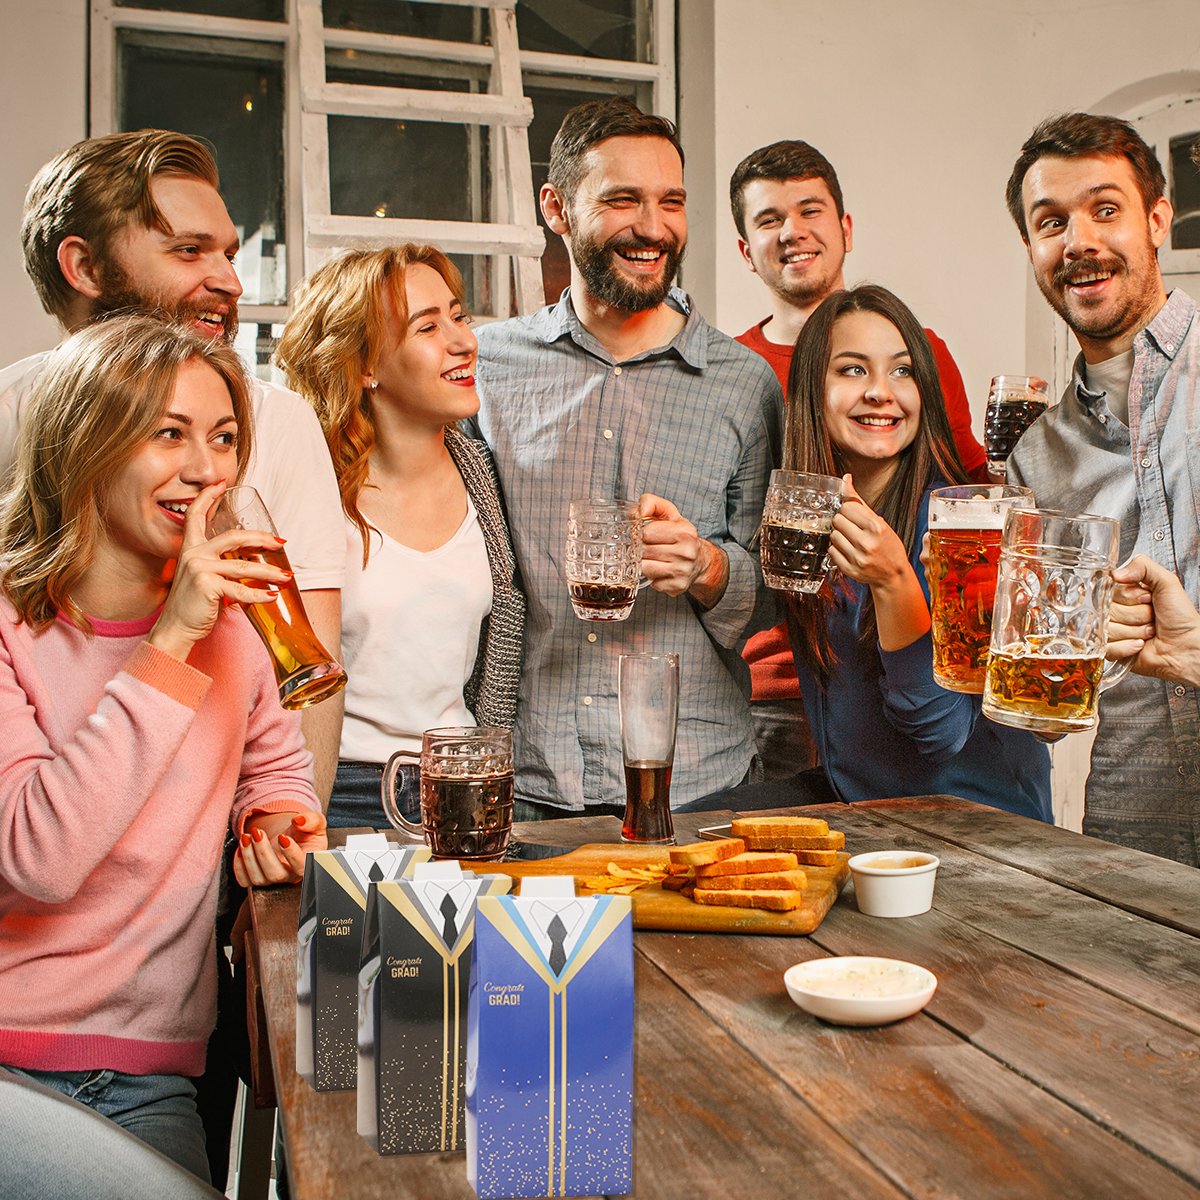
[(922, 107), (43, 73)]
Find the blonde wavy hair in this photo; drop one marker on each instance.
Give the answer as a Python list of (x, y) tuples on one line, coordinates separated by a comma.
[(101, 394), (335, 335)]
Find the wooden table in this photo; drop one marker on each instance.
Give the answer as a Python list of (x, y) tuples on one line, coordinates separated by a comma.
[(1060, 1056)]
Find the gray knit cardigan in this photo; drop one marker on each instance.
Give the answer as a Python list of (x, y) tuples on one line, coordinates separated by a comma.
[(491, 692)]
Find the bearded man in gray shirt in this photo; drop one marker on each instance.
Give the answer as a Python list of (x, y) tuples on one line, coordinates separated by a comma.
[(1087, 194), (622, 389)]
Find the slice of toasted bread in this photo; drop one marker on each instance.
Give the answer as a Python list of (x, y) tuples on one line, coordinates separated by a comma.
[(780, 901), (699, 853), (748, 863), (778, 881), (817, 858), (787, 826), (833, 840)]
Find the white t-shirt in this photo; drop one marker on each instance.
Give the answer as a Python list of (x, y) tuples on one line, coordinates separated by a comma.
[(290, 468), (410, 636), (1112, 377)]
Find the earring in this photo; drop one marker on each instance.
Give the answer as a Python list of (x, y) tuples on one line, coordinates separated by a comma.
[(374, 384)]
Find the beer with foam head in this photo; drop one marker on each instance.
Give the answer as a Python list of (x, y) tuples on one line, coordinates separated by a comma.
[(965, 525)]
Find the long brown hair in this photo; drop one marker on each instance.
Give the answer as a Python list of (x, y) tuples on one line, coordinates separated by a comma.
[(336, 332), (807, 447), (101, 394)]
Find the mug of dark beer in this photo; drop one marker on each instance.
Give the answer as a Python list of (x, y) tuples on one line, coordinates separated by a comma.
[(1046, 668), (1014, 403), (604, 557), (965, 524), (466, 792), (797, 524)]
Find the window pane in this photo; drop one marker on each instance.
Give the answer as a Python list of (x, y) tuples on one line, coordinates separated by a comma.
[(595, 28), (447, 22), (253, 10), (236, 103), (1185, 194)]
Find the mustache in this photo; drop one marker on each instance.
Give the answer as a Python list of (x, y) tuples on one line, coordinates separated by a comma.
[(1069, 273)]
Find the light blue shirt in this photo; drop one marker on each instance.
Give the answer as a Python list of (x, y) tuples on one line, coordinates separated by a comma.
[(696, 422), (1144, 787)]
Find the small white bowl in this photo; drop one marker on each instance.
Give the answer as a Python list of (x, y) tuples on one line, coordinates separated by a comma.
[(860, 991), (894, 883)]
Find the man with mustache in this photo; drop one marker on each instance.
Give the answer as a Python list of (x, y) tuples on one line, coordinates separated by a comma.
[(1087, 194), (135, 221), (622, 389), (794, 233)]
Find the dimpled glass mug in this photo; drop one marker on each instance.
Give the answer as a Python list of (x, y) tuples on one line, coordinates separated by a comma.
[(466, 792), (604, 557), (1049, 626)]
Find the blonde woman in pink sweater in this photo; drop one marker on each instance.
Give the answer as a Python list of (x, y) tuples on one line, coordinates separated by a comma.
[(140, 718)]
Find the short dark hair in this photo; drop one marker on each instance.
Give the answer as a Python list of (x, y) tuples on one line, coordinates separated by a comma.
[(778, 162), (1078, 135), (95, 188), (595, 121)]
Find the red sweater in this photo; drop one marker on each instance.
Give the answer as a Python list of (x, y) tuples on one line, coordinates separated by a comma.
[(120, 771), (769, 654)]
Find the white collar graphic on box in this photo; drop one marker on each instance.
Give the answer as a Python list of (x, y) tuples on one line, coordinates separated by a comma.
[(366, 850), (547, 898)]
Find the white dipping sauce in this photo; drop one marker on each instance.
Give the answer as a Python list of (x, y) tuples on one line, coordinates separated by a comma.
[(864, 983)]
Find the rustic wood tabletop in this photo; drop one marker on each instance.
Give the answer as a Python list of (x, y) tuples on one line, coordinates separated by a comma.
[(1059, 1057)]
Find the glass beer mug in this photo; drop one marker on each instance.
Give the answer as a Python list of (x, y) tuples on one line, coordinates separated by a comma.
[(466, 792), (1046, 669)]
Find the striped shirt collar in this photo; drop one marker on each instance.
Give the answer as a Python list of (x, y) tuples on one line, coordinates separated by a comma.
[(690, 344)]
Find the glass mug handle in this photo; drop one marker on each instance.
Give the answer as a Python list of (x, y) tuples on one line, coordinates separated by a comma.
[(1115, 671), (387, 793)]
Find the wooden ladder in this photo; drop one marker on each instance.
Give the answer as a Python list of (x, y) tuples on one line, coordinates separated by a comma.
[(514, 231)]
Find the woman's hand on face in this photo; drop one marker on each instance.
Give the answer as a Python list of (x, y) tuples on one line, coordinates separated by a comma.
[(864, 546), (273, 845), (204, 580)]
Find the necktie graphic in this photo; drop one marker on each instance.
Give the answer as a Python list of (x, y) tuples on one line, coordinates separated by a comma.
[(449, 910), (557, 933), (375, 874)]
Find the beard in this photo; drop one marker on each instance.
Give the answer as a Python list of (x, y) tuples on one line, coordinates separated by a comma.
[(1128, 312), (594, 260), (119, 294)]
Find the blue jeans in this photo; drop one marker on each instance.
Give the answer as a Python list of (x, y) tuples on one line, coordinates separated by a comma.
[(355, 799), (158, 1109)]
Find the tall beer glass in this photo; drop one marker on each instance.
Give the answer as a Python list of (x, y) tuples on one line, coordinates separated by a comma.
[(965, 524), (1014, 403), (648, 705), (304, 669), (796, 527), (466, 792), (1049, 626)]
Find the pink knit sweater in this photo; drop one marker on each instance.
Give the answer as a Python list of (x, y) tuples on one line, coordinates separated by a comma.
[(120, 771)]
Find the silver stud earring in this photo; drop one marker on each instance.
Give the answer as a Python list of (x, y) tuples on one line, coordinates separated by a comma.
[(374, 384)]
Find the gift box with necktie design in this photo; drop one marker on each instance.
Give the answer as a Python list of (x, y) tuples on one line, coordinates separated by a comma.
[(333, 903)]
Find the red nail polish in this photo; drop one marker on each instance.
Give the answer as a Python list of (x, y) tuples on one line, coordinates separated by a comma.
[(284, 841), (245, 839), (257, 835)]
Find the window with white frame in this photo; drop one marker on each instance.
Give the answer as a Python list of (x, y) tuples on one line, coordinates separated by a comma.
[(224, 70)]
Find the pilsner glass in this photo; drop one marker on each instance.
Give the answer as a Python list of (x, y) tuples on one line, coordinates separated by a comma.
[(1049, 626), (304, 669), (965, 524), (604, 557), (466, 792), (796, 527), (648, 705), (1014, 403)]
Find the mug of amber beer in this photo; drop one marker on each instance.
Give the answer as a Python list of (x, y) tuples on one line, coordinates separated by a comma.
[(466, 792), (1049, 625), (965, 524), (304, 669), (648, 707), (797, 525)]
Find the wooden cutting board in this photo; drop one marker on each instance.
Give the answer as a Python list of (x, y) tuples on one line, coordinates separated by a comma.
[(654, 908)]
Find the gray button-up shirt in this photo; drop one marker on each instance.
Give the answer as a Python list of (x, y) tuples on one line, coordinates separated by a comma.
[(1144, 787), (696, 422)]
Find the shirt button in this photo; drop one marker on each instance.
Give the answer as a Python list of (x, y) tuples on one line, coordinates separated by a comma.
[(587, 699), (1181, 691), (591, 638), (616, 370), (1169, 347), (608, 435), (1145, 462), (1159, 535), (1103, 419)]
